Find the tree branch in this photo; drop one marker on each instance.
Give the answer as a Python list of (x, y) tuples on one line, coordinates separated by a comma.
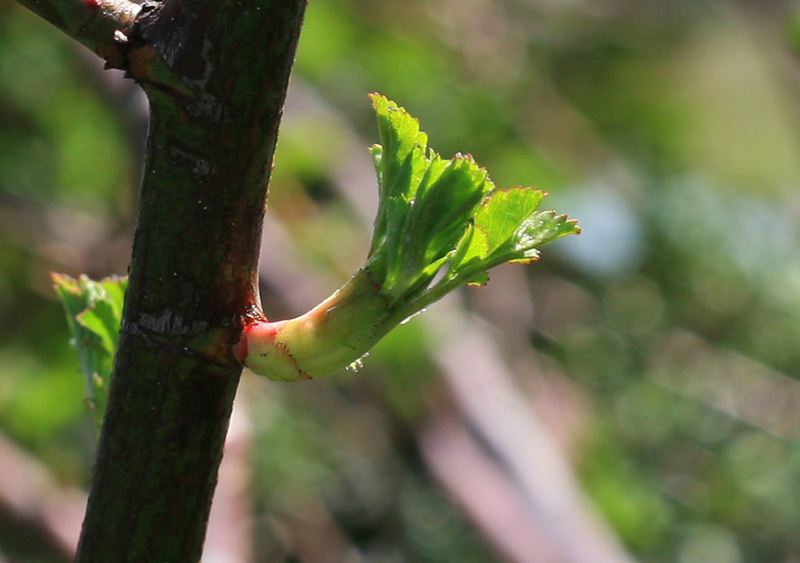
[(216, 76), (101, 25)]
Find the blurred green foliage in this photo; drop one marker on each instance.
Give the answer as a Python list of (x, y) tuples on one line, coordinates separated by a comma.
[(669, 128)]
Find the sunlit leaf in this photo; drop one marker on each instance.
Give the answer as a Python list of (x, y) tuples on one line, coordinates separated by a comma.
[(501, 215)]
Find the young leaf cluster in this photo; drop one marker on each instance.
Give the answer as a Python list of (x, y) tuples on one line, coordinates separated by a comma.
[(441, 224), (94, 313), (445, 220)]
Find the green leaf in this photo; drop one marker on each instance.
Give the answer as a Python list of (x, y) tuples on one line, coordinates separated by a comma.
[(502, 213), (472, 249), (115, 288), (100, 320), (540, 228), (508, 228), (399, 160), (443, 214), (399, 136), (94, 313)]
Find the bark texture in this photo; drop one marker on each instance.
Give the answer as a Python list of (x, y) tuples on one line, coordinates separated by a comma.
[(216, 76)]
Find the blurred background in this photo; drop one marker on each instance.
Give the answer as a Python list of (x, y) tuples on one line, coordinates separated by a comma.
[(632, 396)]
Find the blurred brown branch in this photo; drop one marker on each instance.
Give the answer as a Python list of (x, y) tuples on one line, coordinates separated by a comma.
[(523, 469)]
